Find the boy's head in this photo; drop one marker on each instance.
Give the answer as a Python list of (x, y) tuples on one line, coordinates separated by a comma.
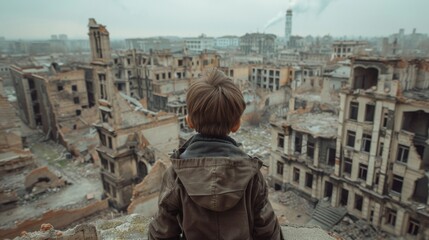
[(215, 105)]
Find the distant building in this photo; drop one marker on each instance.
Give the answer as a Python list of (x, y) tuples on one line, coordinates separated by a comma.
[(288, 26), (345, 49), (271, 77), (152, 44), (227, 42), (200, 43), (259, 43)]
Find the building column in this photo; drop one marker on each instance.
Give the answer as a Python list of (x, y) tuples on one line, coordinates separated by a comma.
[(376, 221), (316, 152), (304, 144), (340, 134)]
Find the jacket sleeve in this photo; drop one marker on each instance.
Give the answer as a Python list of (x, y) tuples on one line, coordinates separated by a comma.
[(165, 224), (266, 225)]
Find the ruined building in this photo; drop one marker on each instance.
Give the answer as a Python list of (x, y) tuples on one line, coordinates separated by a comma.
[(258, 43), (130, 135), (159, 79), (374, 162), (55, 100)]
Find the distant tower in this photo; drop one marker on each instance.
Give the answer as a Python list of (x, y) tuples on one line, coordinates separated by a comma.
[(99, 42), (288, 26)]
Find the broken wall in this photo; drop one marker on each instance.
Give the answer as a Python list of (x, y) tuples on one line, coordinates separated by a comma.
[(58, 218)]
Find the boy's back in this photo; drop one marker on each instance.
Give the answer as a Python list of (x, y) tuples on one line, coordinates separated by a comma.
[(213, 190)]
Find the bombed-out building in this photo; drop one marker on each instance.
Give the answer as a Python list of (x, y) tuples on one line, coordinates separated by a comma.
[(55, 100), (380, 170), (159, 79), (130, 135)]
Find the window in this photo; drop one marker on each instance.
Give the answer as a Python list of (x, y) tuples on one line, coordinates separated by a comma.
[(110, 142), (351, 136), (331, 156), (104, 163), (380, 149), (296, 175), (128, 61), (74, 88), (369, 113), (103, 139), (76, 100), (280, 168), (354, 109), (60, 87), (348, 165), (298, 142), (391, 217), (157, 76), (280, 140), (309, 180), (179, 62), (397, 183), (105, 116), (363, 171), (385, 118), (358, 202), (112, 167), (413, 227), (310, 148), (78, 112), (402, 154), (366, 143)]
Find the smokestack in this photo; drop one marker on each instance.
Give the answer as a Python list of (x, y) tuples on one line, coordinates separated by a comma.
[(288, 26)]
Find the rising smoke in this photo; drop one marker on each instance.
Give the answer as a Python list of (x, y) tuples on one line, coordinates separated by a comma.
[(300, 6)]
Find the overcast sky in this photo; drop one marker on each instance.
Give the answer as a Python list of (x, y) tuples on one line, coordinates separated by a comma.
[(146, 18)]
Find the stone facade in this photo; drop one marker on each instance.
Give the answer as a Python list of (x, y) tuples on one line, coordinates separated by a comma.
[(380, 169), (129, 134)]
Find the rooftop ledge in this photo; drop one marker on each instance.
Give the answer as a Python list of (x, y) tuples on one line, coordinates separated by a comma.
[(135, 226)]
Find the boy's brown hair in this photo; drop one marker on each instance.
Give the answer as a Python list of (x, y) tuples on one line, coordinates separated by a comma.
[(215, 104)]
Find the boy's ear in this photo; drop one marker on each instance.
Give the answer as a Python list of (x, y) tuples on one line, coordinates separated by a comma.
[(188, 121), (236, 126)]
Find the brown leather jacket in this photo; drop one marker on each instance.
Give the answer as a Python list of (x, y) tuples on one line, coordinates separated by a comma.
[(205, 195)]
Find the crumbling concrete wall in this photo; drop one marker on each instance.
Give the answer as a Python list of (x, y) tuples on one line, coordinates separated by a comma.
[(145, 194), (59, 219), (40, 179)]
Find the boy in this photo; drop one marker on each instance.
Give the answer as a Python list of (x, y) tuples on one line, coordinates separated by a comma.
[(213, 190)]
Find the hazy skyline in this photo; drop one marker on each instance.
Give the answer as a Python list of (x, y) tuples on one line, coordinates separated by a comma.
[(29, 19)]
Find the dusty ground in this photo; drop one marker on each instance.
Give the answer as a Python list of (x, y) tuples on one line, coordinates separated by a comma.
[(83, 179)]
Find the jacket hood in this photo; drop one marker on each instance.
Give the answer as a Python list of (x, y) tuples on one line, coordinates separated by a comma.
[(214, 182)]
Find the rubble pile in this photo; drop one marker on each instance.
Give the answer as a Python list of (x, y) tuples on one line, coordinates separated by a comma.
[(292, 200), (351, 230), (256, 141)]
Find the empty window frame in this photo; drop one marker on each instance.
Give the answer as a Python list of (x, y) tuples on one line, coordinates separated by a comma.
[(280, 167), (413, 227), (391, 217), (397, 183), (309, 180), (351, 137), (348, 163), (363, 171), (296, 175), (366, 143), (354, 110), (402, 153), (358, 202), (369, 112), (280, 140)]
